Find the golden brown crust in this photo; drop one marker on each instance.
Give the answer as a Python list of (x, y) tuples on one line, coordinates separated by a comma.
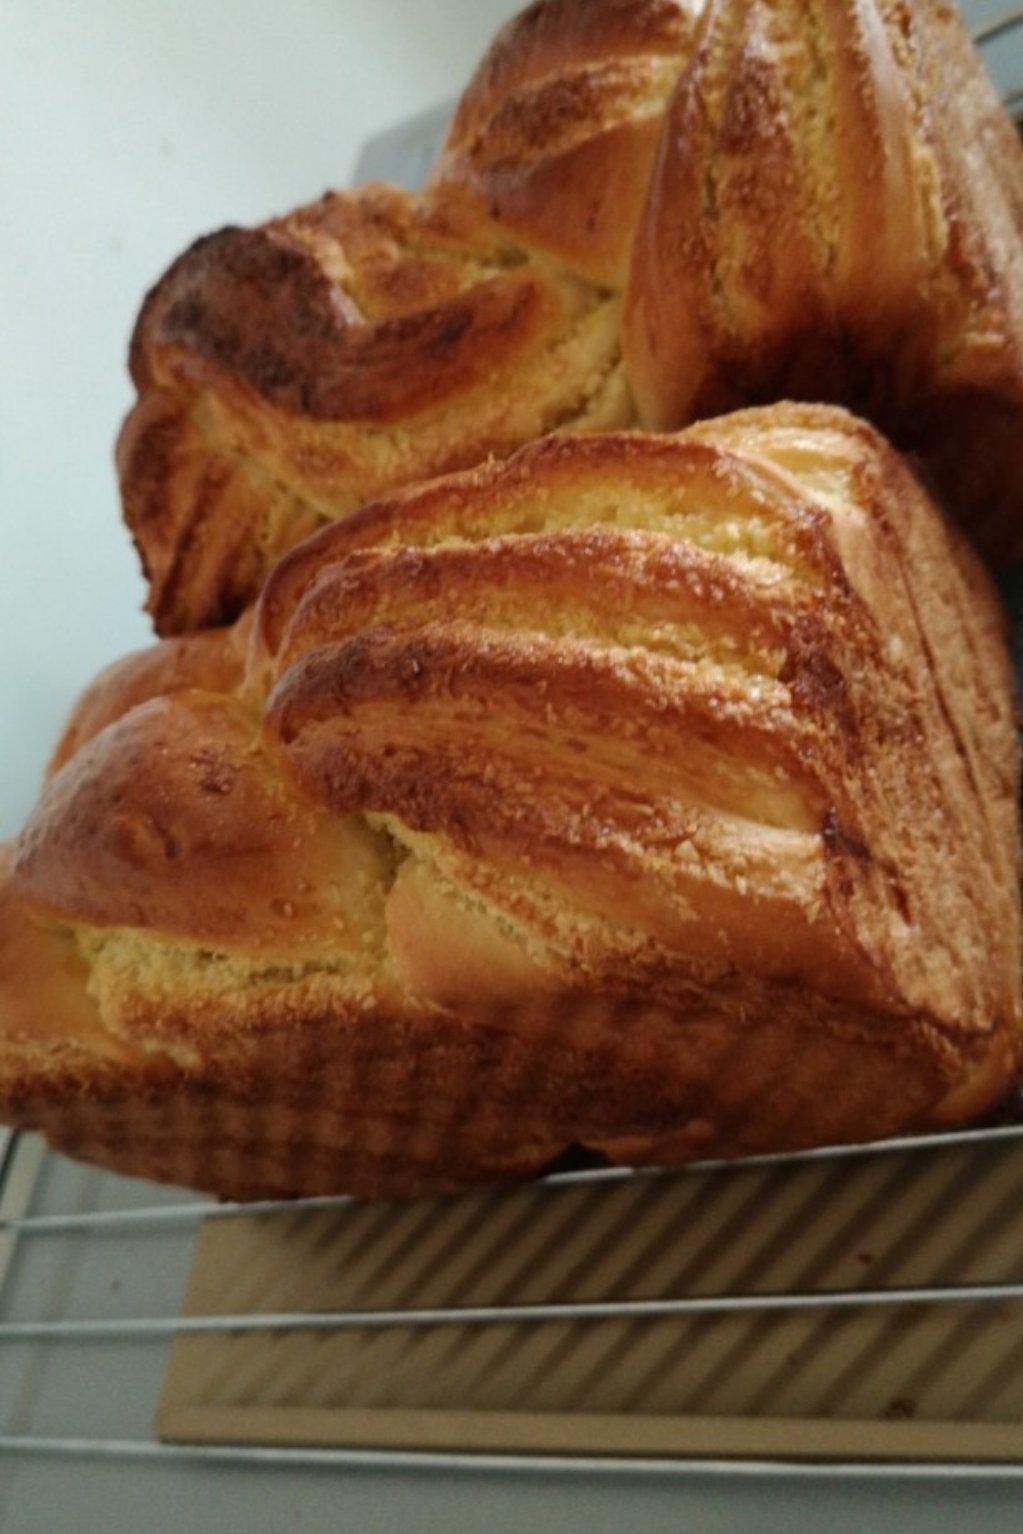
[(288, 373), (555, 134), (212, 661), (631, 793), (503, 716), (829, 208), (836, 214), (171, 819), (46, 1007), (387, 1104)]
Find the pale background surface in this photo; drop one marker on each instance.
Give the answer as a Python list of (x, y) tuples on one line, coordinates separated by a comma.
[(127, 127)]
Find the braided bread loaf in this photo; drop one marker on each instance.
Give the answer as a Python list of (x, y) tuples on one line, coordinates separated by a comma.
[(653, 795), (830, 208)]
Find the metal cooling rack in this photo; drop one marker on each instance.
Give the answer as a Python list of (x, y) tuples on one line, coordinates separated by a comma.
[(17, 1225), (21, 1158)]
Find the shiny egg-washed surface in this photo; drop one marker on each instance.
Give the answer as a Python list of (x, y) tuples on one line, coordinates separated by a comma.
[(630, 794)]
